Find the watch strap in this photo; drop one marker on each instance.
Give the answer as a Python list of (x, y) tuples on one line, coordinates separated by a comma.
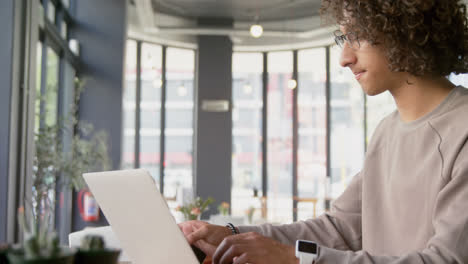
[(232, 228)]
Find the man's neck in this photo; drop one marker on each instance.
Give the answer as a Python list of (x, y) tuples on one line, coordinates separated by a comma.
[(420, 97)]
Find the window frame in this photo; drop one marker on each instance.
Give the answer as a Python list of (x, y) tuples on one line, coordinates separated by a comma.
[(163, 110)]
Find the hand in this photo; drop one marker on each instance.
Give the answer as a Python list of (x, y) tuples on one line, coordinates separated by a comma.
[(191, 226), (205, 236), (253, 248)]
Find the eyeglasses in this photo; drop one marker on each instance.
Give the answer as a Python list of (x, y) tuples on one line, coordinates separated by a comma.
[(351, 38)]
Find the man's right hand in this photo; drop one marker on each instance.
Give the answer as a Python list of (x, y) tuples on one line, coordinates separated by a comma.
[(203, 235)]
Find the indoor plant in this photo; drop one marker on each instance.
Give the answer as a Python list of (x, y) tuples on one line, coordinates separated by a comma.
[(64, 150), (93, 251), (193, 210), (223, 208), (250, 212), (41, 244), (224, 216), (3, 251)]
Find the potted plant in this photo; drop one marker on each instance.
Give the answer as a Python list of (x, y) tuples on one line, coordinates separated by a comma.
[(3, 252), (93, 251), (63, 151), (250, 212), (41, 244), (223, 208), (60, 161), (224, 217), (193, 210)]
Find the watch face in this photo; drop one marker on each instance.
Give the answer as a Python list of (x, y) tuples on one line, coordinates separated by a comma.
[(307, 247)]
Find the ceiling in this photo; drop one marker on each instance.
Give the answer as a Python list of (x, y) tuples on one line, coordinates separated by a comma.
[(239, 10), (285, 22)]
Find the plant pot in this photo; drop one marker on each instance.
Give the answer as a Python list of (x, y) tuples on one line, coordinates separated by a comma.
[(16, 256), (3, 254), (107, 256)]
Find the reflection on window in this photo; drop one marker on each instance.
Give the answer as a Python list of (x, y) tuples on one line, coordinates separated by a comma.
[(46, 106), (312, 158), (51, 12), (66, 3), (378, 107), (247, 97), (128, 104), (64, 30), (179, 120), (280, 112), (150, 106), (51, 91), (38, 86), (347, 125)]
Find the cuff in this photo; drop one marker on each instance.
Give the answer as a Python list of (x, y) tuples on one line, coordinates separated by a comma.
[(246, 229), (330, 255)]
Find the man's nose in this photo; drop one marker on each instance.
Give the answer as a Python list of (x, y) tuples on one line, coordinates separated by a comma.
[(348, 55)]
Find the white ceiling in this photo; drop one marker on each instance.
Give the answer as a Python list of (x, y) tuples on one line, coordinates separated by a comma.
[(240, 10), (174, 22)]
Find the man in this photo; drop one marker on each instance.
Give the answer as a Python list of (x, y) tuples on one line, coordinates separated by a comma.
[(409, 203)]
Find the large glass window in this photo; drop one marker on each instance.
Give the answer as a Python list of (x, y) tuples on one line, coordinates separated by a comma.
[(51, 90), (46, 115), (150, 108), (38, 86), (64, 30), (66, 3), (55, 87), (180, 68), (178, 103), (346, 131), (51, 11), (347, 125), (247, 97), (129, 105), (280, 114), (312, 149)]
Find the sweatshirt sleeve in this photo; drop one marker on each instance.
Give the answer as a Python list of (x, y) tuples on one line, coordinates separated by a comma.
[(449, 244), (339, 229)]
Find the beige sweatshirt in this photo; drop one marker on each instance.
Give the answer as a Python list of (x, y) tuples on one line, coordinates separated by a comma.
[(409, 203)]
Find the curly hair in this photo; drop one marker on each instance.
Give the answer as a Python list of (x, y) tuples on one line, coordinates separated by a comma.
[(419, 36)]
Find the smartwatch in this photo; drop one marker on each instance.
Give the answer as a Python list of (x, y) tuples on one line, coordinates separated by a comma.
[(306, 251)]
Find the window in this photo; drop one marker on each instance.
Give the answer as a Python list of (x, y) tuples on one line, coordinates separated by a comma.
[(312, 125), (280, 114), (345, 132), (247, 97), (129, 101), (347, 125), (38, 85), (51, 9), (179, 120), (64, 30), (175, 80), (150, 108), (46, 108), (50, 93), (66, 3), (56, 69), (46, 113)]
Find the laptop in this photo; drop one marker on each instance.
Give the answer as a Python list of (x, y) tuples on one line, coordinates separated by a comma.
[(139, 216)]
